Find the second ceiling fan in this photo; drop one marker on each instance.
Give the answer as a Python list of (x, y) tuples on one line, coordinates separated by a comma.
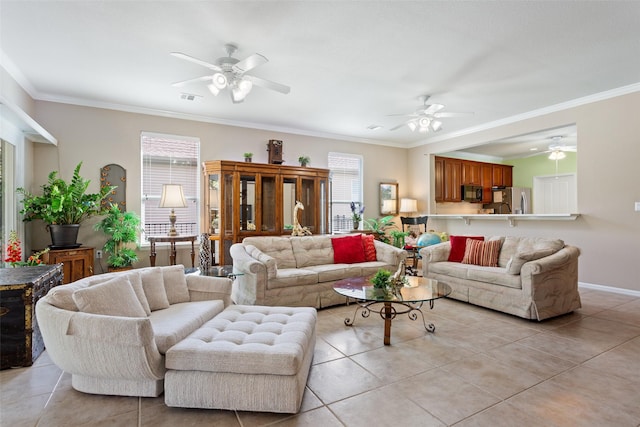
[(427, 117), (230, 72)]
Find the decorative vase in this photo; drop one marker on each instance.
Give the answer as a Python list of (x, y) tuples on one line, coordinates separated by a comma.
[(205, 252), (356, 224), (247, 159)]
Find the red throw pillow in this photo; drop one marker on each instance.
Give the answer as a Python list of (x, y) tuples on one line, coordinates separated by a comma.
[(348, 250), (369, 247), (458, 246), (482, 253)]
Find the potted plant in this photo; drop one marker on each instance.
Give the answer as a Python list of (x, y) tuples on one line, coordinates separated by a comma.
[(379, 227), (247, 157), (304, 160), (122, 229), (398, 237), (63, 206)]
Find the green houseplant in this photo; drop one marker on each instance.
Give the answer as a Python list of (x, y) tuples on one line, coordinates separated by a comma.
[(379, 227), (247, 157), (63, 206), (122, 229), (304, 160)]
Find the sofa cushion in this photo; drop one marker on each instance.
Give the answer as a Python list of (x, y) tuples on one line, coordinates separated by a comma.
[(458, 246), (293, 277), (175, 323), (369, 247), (175, 284), (277, 247), (333, 272), (136, 284), (312, 250), (268, 261), (482, 253), (494, 276), (348, 249), (114, 297), (153, 285)]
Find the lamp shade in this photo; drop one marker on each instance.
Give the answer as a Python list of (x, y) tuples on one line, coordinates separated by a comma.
[(408, 205), (172, 196), (557, 155)]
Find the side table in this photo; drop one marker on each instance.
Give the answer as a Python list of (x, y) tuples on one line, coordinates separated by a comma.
[(172, 253)]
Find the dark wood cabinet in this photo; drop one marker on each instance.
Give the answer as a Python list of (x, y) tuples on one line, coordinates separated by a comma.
[(452, 180), (77, 263), (471, 173), (253, 199), (20, 289), (451, 174)]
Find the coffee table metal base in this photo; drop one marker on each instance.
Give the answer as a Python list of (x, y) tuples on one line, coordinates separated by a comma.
[(388, 312)]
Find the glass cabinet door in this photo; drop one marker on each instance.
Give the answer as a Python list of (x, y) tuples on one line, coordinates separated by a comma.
[(268, 196), (289, 198), (247, 202), (214, 204), (308, 199), (322, 206)]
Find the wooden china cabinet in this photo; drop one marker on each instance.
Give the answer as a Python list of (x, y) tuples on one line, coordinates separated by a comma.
[(252, 199)]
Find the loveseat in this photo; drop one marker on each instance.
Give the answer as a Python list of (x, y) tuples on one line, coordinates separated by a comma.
[(301, 271), (145, 331), (534, 278)]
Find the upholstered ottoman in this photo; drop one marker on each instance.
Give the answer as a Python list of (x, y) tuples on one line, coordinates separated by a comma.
[(249, 358)]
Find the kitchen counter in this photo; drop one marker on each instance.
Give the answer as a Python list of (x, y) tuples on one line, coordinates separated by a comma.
[(511, 218)]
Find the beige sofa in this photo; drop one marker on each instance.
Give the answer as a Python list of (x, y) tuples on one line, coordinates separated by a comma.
[(98, 334), (535, 278), (298, 271), (142, 332)]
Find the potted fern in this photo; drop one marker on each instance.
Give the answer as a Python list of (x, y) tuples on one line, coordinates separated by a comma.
[(64, 206), (122, 229)]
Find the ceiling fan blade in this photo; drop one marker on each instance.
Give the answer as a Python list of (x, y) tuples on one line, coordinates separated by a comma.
[(403, 115), (448, 114), (196, 61), (268, 84), (197, 79), (249, 63), (401, 124), (433, 108)]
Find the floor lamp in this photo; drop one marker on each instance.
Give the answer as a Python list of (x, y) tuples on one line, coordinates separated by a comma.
[(172, 197)]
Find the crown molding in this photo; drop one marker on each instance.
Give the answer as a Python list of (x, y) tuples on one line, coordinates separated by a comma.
[(624, 90)]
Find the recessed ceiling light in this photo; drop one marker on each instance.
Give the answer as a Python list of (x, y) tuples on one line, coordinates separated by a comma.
[(533, 149), (374, 127)]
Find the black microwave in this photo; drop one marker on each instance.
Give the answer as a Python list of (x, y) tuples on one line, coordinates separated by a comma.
[(472, 193)]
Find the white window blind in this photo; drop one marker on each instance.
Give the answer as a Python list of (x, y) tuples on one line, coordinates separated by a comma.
[(346, 187), (169, 159)]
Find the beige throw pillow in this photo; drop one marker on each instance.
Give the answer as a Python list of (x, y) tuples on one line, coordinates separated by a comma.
[(136, 284), (153, 285), (518, 260), (175, 284), (114, 297)]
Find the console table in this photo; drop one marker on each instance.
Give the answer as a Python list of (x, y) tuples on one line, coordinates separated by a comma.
[(172, 253)]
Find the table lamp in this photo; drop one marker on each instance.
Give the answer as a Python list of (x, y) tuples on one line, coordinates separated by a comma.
[(408, 205), (172, 197)]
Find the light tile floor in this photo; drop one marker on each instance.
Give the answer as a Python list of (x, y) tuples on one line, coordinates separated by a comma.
[(479, 368)]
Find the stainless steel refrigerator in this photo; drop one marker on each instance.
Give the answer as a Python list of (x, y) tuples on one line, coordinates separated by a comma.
[(512, 200)]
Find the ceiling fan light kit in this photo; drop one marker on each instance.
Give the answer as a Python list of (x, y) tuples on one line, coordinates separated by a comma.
[(425, 118), (230, 73)]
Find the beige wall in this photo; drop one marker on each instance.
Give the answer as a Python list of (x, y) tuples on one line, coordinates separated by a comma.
[(98, 137), (608, 230)]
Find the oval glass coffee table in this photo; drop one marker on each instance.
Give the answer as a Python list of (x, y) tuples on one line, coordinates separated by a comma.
[(410, 299)]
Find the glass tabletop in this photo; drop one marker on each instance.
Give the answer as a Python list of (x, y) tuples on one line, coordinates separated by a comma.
[(214, 271), (419, 289)]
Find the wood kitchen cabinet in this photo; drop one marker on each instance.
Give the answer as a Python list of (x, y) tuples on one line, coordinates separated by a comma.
[(77, 263), (471, 173), (451, 174)]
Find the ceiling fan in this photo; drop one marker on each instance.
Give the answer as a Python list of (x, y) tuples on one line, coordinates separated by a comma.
[(557, 148), (426, 118), (229, 72)]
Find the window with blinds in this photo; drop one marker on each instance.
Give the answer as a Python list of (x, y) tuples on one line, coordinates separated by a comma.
[(169, 159), (346, 187)]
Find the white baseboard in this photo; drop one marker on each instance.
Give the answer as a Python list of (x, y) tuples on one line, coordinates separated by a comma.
[(609, 289)]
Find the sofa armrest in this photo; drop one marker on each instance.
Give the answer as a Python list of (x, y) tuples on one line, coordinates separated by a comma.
[(557, 260), (434, 253), (249, 287), (204, 288), (389, 254), (100, 346)]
